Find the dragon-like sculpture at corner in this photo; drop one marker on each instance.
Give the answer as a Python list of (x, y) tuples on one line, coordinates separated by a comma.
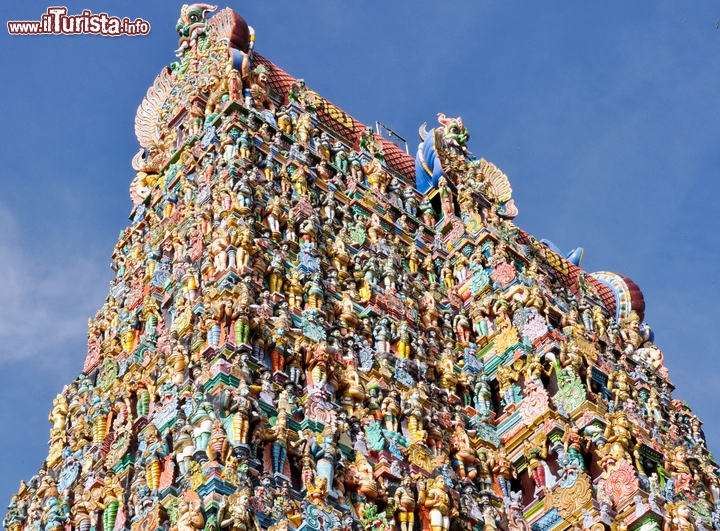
[(450, 139), (221, 47), (192, 23), (443, 152)]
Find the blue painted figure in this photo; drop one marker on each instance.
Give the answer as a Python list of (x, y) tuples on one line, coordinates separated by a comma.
[(452, 136)]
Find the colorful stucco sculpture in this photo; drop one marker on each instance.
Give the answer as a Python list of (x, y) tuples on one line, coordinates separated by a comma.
[(309, 329)]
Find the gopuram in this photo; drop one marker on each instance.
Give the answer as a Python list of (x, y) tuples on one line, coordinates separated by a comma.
[(311, 330)]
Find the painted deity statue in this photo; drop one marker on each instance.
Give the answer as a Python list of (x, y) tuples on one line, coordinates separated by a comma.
[(189, 516), (436, 499), (304, 329)]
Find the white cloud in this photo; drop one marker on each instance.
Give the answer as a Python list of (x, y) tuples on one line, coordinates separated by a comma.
[(46, 294)]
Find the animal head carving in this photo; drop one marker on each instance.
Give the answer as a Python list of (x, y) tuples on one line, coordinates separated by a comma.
[(454, 132), (192, 22)]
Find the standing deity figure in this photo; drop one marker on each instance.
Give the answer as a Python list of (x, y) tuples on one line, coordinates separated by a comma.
[(505, 377), (238, 515), (460, 268), (446, 198), (410, 200), (447, 379), (210, 324), (326, 453), (241, 313), (345, 310), (427, 213), (365, 485), (183, 445), (151, 317), (405, 503), (80, 512), (414, 411), (280, 436), (353, 394), (340, 157), (382, 334), (244, 197), (413, 258), (201, 417), (535, 453), (177, 362), (503, 470), (294, 364), (466, 201), (620, 384), (246, 247), (483, 394), (294, 289), (284, 121), (98, 415), (154, 451), (446, 276), (304, 128), (242, 408), (58, 415), (318, 361), (600, 322), (218, 448), (462, 327), (356, 167), (619, 439), (484, 470), (275, 214), (404, 339), (375, 230), (391, 410), (438, 502), (279, 346), (112, 499), (339, 257), (276, 271), (189, 516), (226, 313), (144, 392), (218, 250), (315, 291), (573, 445), (428, 267), (429, 313), (462, 453), (307, 461)]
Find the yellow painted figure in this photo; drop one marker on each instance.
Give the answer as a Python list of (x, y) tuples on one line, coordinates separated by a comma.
[(405, 501), (189, 516), (438, 502), (152, 456)]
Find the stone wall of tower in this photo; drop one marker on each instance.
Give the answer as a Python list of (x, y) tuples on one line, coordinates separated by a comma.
[(310, 329)]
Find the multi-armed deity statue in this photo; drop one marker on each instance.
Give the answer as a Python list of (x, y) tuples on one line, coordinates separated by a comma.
[(311, 330)]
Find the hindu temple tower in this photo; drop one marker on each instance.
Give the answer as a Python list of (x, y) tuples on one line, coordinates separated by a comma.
[(310, 329)]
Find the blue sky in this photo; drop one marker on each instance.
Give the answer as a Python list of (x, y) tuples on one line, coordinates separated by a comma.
[(604, 115)]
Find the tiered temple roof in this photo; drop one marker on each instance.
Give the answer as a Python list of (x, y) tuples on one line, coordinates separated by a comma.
[(310, 329)]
